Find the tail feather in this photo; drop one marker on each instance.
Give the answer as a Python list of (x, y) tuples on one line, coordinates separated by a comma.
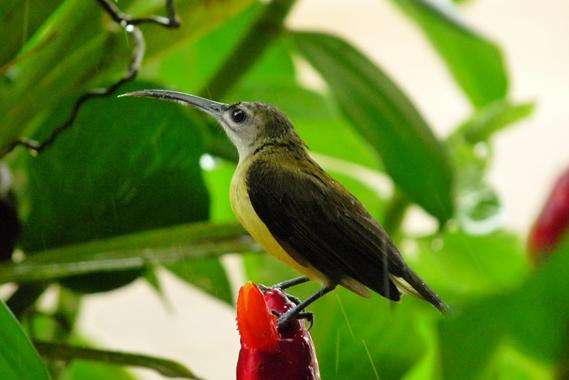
[(411, 283)]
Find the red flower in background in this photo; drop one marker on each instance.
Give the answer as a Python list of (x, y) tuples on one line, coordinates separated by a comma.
[(267, 353), (552, 225)]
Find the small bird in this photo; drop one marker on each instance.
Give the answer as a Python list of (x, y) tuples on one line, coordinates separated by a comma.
[(298, 213)]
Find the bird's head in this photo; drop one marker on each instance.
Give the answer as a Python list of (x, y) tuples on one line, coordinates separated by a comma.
[(248, 125)]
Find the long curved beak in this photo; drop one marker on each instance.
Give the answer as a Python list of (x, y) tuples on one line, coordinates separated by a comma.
[(209, 106)]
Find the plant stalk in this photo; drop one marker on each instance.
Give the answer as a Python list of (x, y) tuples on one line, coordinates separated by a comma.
[(67, 353), (395, 213), (267, 28)]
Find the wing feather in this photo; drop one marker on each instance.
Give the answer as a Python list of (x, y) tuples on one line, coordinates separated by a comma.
[(320, 223)]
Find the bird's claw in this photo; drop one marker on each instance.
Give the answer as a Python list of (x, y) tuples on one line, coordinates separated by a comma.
[(283, 319)]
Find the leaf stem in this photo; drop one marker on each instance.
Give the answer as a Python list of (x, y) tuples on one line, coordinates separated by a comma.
[(395, 213), (66, 353), (133, 251), (25, 297)]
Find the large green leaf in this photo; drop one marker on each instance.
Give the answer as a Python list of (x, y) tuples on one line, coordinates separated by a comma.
[(207, 274), (534, 316), (387, 119), (459, 265), (65, 53), (18, 358), (361, 338), (78, 48), (475, 62), (157, 247), (130, 166)]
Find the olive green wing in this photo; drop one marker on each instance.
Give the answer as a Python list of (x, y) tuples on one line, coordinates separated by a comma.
[(321, 224)]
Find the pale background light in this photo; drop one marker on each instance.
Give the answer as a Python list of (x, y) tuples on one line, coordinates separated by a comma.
[(200, 332)]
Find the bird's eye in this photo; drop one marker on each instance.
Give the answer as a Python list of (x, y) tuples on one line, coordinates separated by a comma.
[(238, 115)]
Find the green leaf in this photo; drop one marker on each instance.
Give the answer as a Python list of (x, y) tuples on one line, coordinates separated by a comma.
[(493, 118), (135, 251), (63, 352), (460, 265), (128, 166), (510, 364), (75, 50), (207, 274), (475, 62), (386, 118), (478, 206), (475, 336), (81, 370), (18, 358), (426, 368), (380, 338), (172, 69), (19, 19), (62, 57), (534, 316)]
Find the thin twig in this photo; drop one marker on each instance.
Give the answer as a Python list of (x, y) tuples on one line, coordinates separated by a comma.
[(66, 353), (130, 25)]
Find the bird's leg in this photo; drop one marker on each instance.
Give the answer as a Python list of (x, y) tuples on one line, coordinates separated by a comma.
[(292, 313), (290, 283), (286, 284)]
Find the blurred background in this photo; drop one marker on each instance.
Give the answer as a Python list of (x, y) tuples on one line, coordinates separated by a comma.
[(180, 321)]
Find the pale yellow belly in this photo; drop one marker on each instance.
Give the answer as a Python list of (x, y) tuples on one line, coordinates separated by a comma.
[(243, 210)]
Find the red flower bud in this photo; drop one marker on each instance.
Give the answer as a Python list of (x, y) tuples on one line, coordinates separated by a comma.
[(267, 353), (552, 225)]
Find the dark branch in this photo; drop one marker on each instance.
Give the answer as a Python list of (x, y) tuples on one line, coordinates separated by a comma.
[(124, 19), (130, 25)]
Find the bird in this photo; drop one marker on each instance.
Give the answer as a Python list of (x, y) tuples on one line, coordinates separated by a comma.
[(298, 213)]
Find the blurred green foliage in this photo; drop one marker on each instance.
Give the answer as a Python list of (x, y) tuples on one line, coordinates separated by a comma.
[(18, 358), (136, 184)]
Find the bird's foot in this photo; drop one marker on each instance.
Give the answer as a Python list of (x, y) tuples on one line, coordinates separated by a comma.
[(283, 320)]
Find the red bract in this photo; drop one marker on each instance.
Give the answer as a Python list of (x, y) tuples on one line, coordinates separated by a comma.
[(552, 225), (267, 353)]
